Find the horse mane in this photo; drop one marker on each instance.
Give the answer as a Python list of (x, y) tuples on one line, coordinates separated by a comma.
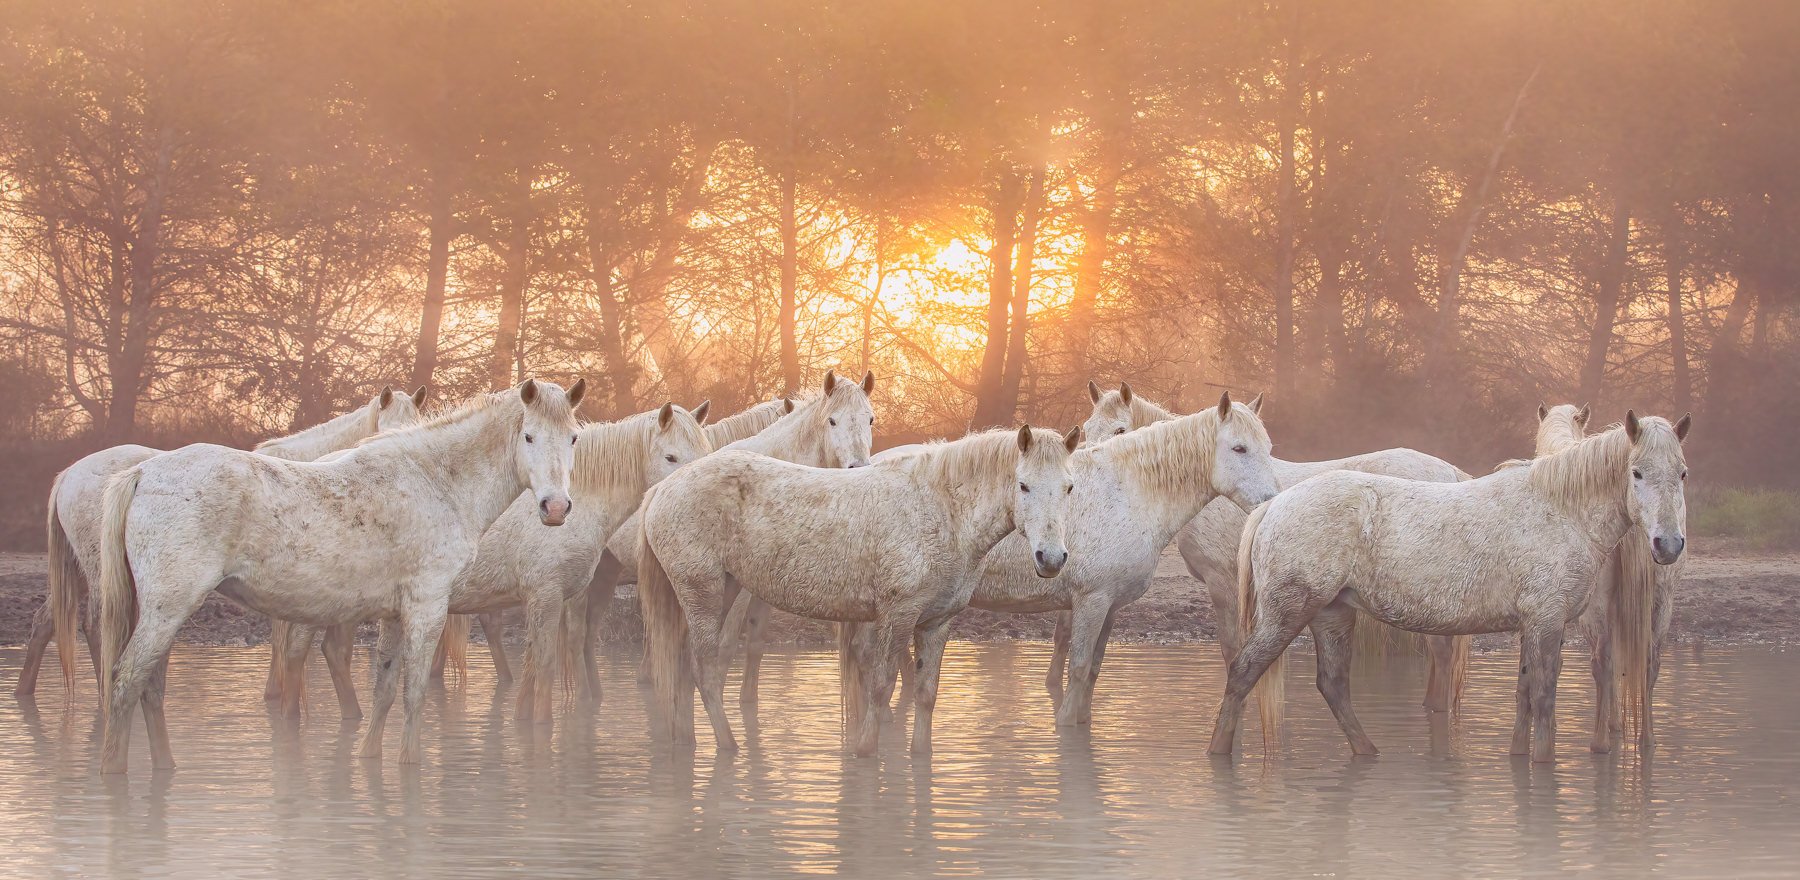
[(977, 458), (1145, 413), (1557, 430), (1594, 469), (1166, 455), (335, 433), (747, 423), (469, 409)]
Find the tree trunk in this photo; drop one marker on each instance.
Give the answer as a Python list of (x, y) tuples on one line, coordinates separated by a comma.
[(990, 383), (441, 224), (790, 252), (650, 307), (1606, 305), (1007, 407), (1682, 387), (1282, 285), (1112, 119), (133, 353), (621, 374), (517, 255)]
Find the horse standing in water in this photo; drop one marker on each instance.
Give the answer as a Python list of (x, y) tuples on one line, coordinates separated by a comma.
[(73, 529), (1134, 493), (380, 531), (1515, 551), (896, 547), (520, 562), (1633, 598), (1209, 543)]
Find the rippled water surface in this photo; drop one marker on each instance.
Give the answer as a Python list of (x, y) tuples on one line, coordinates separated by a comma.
[(1005, 794)]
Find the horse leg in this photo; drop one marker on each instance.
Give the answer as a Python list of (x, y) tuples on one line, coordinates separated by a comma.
[(92, 633), (337, 646), (756, 625), (707, 647), (1440, 652), (493, 629), (423, 628), (387, 658), (1059, 657), (928, 649), (1084, 632), (1260, 650), (42, 629), (1543, 662), (1606, 686), (543, 612), (161, 756), (291, 684), (1225, 617), (1521, 738), (1334, 634), (1662, 609), (133, 675)]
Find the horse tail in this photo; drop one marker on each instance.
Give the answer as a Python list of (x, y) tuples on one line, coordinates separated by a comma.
[(118, 589), (851, 699), (1630, 609), (290, 678), (1271, 689), (665, 638), (1460, 646), (571, 634), (66, 585), (454, 643)]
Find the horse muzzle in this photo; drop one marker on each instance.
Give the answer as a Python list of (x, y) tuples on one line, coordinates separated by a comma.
[(1050, 564), (1665, 551), (554, 511)]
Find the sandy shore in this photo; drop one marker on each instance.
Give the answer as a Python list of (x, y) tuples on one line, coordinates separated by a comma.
[(1725, 596)]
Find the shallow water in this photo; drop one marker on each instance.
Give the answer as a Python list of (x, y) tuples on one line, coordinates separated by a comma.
[(1005, 793)]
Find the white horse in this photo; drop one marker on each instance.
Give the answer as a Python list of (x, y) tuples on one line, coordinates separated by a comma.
[(833, 430), (584, 613), (1633, 598), (1515, 551), (1209, 543), (377, 532), (1133, 494), (520, 562), (898, 545), (73, 525)]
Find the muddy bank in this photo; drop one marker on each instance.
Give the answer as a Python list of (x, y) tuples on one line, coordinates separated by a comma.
[(1725, 596)]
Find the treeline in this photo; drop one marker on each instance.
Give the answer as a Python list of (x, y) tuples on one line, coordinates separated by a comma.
[(1409, 221)]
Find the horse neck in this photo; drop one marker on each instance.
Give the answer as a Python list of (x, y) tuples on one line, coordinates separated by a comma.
[(975, 491), (748, 423), (341, 432), (1145, 413), (1556, 433), (463, 455), (1172, 463), (609, 465), (796, 439), (1587, 482)]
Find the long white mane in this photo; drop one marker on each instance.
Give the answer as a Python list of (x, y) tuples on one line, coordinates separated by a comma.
[(747, 423), (1595, 469), (338, 433)]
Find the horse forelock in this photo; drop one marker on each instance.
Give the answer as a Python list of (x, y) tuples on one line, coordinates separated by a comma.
[(748, 423)]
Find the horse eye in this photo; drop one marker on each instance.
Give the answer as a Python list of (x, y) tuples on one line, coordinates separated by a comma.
[(527, 438), (1239, 449), (1684, 475), (671, 458), (1637, 474), (1024, 488), (572, 441), (1119, 431), (833, 422), (1069, 489)]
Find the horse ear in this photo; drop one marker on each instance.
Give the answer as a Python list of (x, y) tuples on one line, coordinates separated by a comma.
[(578, 392), (1543, 411), (387, 395), (1256, 404), (1125, 392), (699, 412), (868, 382), (418, 396), (1631, 425), (1225, 405), (830, 381), (787, 405), (1587, 411), (1072, 439), (1682, 425), (528, 391), (1025, 437), (664, 416), (1093, 391)]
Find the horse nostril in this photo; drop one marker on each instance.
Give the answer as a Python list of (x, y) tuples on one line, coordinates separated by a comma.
[(1040, 556)]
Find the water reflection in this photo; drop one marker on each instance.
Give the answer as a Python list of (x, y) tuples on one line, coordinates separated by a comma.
[(1005, 792)]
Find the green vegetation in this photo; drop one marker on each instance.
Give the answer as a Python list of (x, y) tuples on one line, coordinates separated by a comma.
[(1766, 518)]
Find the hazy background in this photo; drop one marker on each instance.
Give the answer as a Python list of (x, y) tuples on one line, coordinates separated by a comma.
[(1408, 221)]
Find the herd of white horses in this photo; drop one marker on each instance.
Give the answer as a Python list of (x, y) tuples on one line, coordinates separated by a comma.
[(387, 514)]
